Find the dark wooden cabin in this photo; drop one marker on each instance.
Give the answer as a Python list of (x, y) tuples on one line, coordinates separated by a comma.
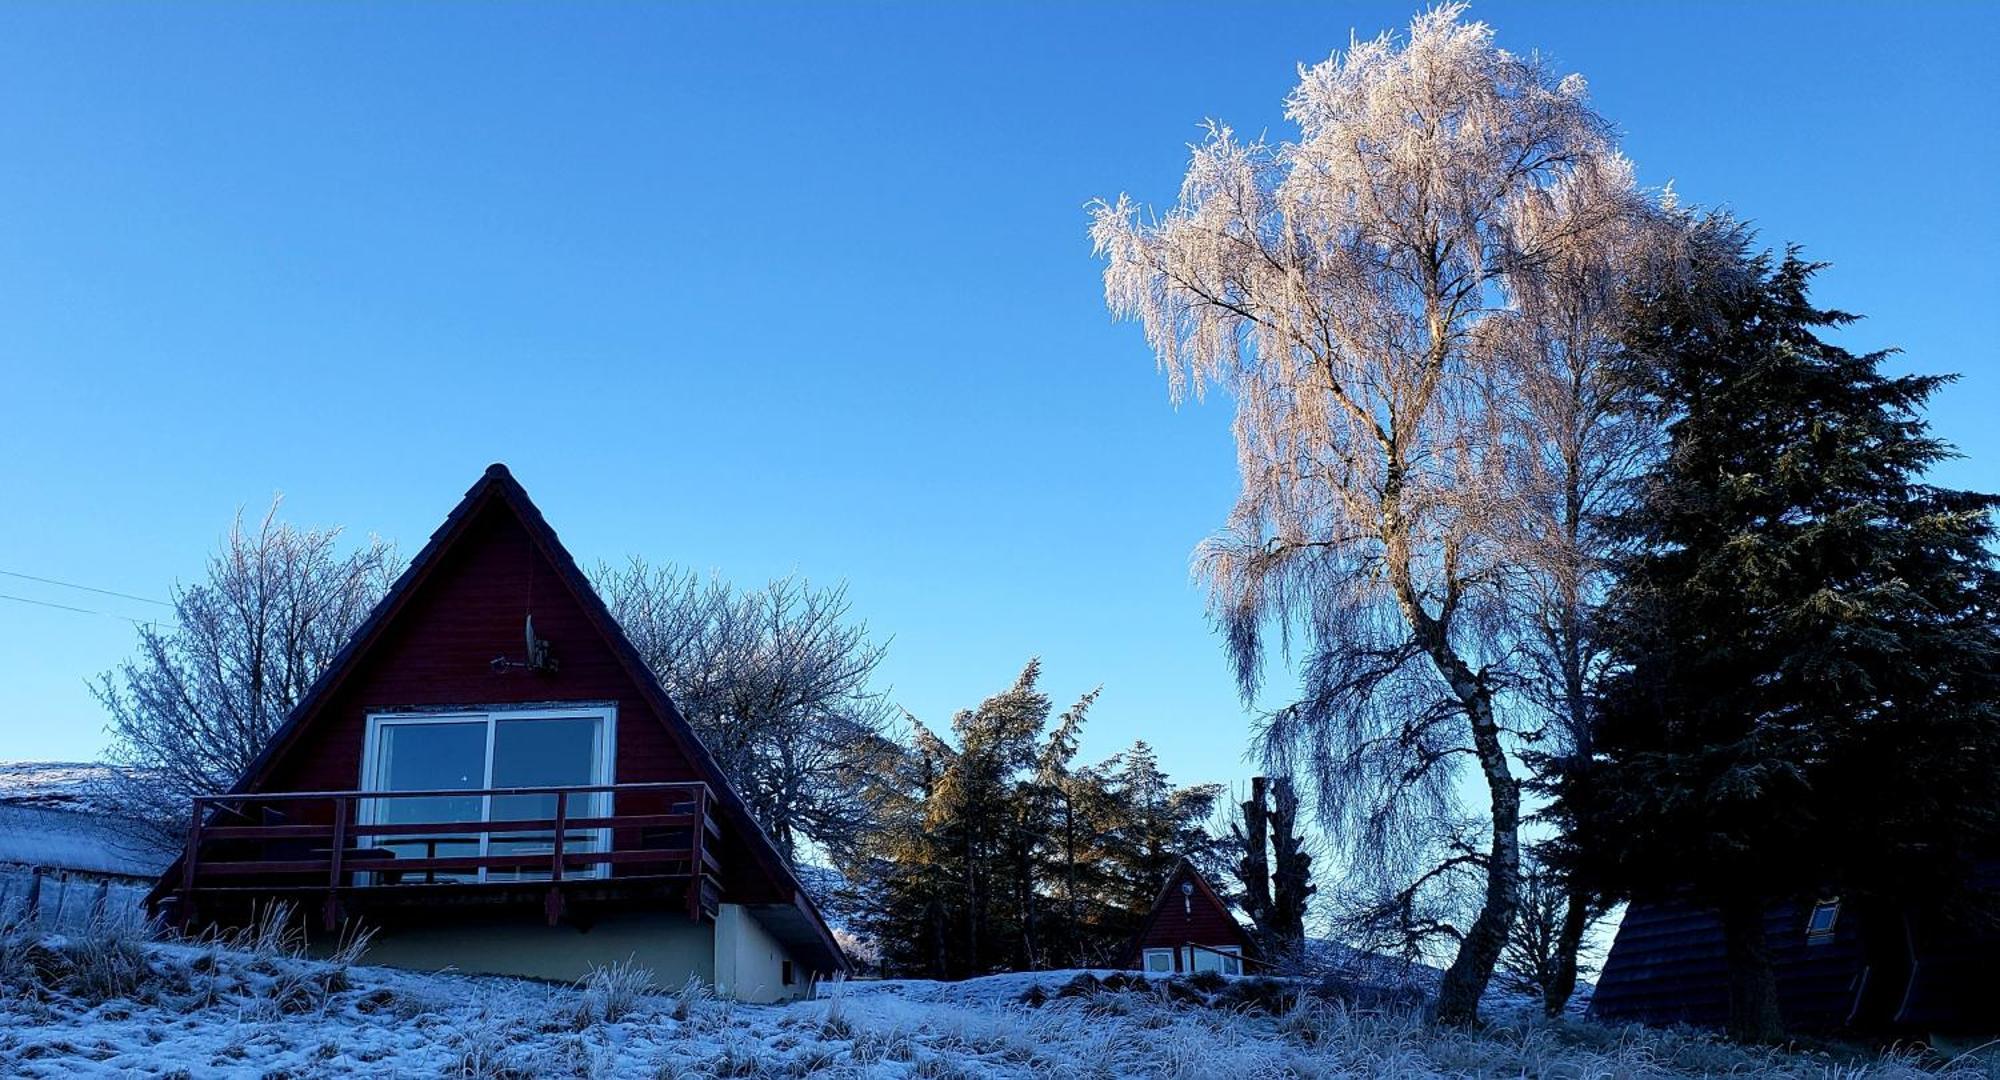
[(1842, 967), (1189, 929), (489, 775)]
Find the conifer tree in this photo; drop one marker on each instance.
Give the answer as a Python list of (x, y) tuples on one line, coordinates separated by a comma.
[(998, 853), (1804, 697)]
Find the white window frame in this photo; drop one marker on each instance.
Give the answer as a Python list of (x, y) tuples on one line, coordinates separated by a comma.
[(1232, 959), (1148, 956), (1229, 962), (603, 769)]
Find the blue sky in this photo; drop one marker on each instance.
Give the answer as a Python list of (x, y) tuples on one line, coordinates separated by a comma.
[(783, 289)]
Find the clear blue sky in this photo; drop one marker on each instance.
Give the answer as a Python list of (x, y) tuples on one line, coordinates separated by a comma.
[(788, 289)]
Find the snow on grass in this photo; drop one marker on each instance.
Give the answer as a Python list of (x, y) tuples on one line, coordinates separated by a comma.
[(111, 1004)]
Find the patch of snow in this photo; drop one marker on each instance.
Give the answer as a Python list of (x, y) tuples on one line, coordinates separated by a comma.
[(56, 785), (73, 840), (194, 1010)]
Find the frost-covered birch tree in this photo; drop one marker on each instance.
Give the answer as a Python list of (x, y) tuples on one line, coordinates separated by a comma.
[(192, 708), (1575, 440), (778, 682), (1350, 290)]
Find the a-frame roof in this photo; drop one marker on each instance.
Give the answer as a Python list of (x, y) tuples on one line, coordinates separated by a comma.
[(1185, 871), (497, 486)]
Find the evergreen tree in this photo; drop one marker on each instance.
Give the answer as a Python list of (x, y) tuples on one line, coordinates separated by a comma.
[(998, 853), (1804, 695), (1154, 825)]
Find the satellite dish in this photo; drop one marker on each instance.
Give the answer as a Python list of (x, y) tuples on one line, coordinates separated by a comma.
[(538, 650), (536, 656)]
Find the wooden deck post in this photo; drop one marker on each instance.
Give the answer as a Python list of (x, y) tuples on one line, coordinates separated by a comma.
[(330, 912), (698, 834), (184, 911), (553, 905)]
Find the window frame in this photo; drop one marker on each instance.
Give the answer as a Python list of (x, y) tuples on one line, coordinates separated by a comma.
[(1147, 956), (604, 765), (1224, 957), (1232, 958)]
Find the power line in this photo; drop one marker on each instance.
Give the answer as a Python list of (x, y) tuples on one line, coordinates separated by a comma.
[(45, 603), (85, 588), (80, 610)]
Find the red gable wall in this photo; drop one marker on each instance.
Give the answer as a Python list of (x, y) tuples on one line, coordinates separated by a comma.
[(438, 651), (1178, 919)]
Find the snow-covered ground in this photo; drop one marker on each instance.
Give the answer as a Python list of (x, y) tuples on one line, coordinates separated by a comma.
[(111, 1005)]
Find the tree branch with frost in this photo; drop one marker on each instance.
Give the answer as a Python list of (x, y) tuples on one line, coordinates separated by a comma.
[(1348, 288)]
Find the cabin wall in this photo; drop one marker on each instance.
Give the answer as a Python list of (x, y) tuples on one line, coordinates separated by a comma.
[(1667, 965), (1180, 920), (1881, 969), (439, 652), (1204, 926), (669, 944), (749, 962)]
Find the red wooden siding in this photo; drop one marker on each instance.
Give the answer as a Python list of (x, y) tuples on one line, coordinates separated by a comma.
[(439, 651), (1179, 919)]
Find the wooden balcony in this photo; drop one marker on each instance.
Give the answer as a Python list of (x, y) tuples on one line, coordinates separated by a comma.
[(378, 849)]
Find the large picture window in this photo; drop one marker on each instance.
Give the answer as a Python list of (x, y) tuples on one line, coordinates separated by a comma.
[(1226, 960), (470, 751)]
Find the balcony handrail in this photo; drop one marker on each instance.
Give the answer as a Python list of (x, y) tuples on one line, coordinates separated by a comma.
[(363, 793), (345, 835)]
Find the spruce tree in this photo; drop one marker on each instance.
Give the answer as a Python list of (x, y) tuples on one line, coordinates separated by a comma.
[(996, 853), (1804, 690)]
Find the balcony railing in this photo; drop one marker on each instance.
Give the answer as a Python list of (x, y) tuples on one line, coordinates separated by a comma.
[(376, 843)]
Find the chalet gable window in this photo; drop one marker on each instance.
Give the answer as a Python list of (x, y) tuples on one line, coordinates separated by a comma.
[(1159, 961), (471, 753), (1819, 925)]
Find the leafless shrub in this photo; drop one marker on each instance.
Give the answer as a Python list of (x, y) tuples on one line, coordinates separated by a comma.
[(776, 681), (201, 698)]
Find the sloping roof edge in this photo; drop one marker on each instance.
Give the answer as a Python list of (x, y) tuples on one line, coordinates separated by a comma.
[(498, 482), (1201, 882)]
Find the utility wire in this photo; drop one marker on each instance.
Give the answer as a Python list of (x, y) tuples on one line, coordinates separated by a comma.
[(81, 610), (45, 603), (85, 588)]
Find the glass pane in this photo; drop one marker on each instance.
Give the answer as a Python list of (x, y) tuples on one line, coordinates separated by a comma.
[(543, 753), (431, 757)]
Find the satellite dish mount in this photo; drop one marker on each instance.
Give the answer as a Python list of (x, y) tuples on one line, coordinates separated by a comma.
[(539, 659)]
